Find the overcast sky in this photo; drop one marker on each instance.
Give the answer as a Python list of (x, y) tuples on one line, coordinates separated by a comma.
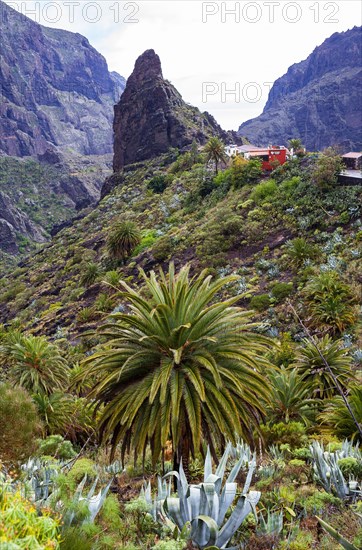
[(206, 48)]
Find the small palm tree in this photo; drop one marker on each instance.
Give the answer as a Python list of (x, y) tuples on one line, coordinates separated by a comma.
[(338, 419), (34, 363), (299, 251), (312, 368), (296, 145), (122, 240), (215, 151), (178, 367), (330, 302), (290, 397)]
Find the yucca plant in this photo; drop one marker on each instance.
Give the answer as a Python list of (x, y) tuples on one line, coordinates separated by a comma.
[(179, 366), (34, 363), (200, 510), (123, 239), (299, 251), (311, 366)]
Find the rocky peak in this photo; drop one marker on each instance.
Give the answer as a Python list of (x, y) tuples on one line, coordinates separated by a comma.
[(318, 100), (152, 117)]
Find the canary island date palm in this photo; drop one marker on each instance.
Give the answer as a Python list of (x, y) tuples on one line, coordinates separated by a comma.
[(180, 366), (34, 363), (312, 367), (337, 419), (215, 151)]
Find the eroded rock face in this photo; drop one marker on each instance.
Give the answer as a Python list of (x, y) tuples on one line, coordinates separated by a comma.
[(318, 100), (151, 116), (56, 90)]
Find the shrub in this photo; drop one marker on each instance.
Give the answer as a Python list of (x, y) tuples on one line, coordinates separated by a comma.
[(319, 501), (56, 445), (245, 172), (299, 251), (23, 526), (82, 467), (19, 425), (104, 303), (264, 190), (293, 434), (162, 249), (281, 291), (158, 183), (260, 302), (351, 466)]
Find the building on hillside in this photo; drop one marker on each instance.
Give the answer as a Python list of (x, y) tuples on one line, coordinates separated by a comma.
[(268, 155), (352, 160)]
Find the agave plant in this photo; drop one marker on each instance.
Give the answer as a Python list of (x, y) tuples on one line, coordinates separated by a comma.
[(329, 474), (94, 502), (202, 508), (337, 536)]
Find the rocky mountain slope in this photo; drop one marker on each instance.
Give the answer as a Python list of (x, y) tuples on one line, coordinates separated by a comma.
[(152, 117), (56, 90), (56, 110), (318, 100)]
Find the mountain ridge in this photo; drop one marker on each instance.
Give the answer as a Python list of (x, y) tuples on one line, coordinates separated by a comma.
[(318, 100)]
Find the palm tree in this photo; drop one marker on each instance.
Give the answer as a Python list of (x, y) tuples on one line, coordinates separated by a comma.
[(34, 363), (338, 419), (330, 302), (215, 151), (123, 239), (290, 397), (178, 367), (311, 366), (296, 145)]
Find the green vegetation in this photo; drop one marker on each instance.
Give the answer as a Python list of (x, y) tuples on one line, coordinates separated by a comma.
[(192, 308)]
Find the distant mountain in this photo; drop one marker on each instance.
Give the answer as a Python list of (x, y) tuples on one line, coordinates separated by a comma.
[(56, 90), (151, 117), (318, 100)]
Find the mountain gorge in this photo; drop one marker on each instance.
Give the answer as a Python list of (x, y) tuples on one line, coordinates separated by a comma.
[(56, 116), (318, 100)]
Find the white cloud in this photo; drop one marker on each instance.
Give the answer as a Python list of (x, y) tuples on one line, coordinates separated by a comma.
[(193, 52)]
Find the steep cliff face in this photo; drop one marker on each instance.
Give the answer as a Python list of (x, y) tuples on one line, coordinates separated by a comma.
[(318, 100), (56, 90), (151, 116)]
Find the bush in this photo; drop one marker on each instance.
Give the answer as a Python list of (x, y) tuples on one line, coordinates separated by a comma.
[(57, 446), (23, 526), (281, 291), (263, 191), (351, 467), (19, 425), (158, 183), (162, 249), (260, 302), (318, 502), (82, 467), (293, 434)]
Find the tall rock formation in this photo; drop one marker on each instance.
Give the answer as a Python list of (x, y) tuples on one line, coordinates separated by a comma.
[(151, 116), (318, 100), (56, 90)]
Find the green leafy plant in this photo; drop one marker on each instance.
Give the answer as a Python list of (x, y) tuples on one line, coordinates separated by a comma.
[(193, 367), (122, 240), (200, 510)]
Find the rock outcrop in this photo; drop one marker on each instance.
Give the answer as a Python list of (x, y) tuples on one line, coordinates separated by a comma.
[(318, 100), (152, 117), (56, 90)]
